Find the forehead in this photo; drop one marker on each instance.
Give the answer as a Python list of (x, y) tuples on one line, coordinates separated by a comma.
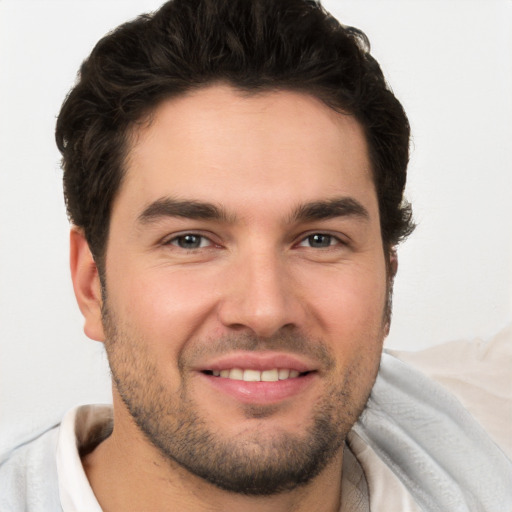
[(222, 145)]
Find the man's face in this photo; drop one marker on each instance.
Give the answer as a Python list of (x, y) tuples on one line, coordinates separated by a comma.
[(245, 286)]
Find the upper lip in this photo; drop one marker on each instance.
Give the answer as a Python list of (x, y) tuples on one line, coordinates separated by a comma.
[(259, 361)]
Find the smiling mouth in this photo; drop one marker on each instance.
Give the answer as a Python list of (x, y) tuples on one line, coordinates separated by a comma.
[(250, 375)]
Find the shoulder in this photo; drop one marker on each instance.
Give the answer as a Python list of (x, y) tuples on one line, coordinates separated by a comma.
[(28, 475), (425, 435), (478, 372)]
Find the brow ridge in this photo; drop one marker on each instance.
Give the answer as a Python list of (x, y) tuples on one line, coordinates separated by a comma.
[(330, 208), (190, 209), (200, 210)]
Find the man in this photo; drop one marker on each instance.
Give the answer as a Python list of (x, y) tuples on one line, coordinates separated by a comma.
[(234, 173)]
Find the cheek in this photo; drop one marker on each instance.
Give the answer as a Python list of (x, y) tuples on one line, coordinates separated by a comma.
[(351, 297), (350, 307), (355, 329), (165, 306)]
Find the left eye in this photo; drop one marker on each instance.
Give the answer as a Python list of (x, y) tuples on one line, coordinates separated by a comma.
[(190, 241), (319, 241)]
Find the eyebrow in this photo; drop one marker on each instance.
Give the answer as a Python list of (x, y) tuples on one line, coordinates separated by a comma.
[(329, 209), (190, 209), (169, 207)]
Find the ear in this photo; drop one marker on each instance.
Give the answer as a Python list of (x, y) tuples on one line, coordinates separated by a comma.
[(86, 283)]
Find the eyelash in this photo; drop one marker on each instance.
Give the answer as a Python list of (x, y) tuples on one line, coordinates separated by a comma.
[(332, 238), (175, 241)]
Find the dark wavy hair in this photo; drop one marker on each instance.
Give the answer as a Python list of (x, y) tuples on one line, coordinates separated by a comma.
[(253, 45)]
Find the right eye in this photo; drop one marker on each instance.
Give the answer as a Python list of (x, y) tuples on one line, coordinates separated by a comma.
[(190, 241)]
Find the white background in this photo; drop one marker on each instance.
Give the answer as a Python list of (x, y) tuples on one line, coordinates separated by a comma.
[(449, 62)]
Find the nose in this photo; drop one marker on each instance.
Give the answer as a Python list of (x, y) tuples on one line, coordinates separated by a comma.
[(261, 295)]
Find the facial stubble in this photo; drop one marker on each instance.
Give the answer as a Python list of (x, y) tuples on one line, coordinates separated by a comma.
[(256, 461)]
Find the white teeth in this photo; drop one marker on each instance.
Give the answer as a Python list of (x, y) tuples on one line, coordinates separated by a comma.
[(236, 374), (270, 375), (252, 375), (284, 374), (249, 375)]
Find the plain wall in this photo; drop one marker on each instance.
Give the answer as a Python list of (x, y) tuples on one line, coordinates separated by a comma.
[(449, 62)]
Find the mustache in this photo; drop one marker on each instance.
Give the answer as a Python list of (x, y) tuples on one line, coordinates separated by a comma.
[(293, 342)]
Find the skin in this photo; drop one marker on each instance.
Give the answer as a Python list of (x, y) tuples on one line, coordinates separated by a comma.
[(257, 275)]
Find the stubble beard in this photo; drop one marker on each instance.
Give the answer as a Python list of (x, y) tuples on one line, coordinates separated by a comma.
[(254, 462)]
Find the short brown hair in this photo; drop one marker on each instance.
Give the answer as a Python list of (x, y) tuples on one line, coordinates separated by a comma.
[(254, 45)]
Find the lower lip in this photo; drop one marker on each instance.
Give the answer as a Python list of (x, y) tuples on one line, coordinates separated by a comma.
[(261, 392)]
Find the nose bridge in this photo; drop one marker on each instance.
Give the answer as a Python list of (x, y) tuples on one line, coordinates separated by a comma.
[(261, 293)]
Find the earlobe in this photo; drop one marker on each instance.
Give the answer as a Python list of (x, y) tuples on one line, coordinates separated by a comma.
[(86, 284)]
